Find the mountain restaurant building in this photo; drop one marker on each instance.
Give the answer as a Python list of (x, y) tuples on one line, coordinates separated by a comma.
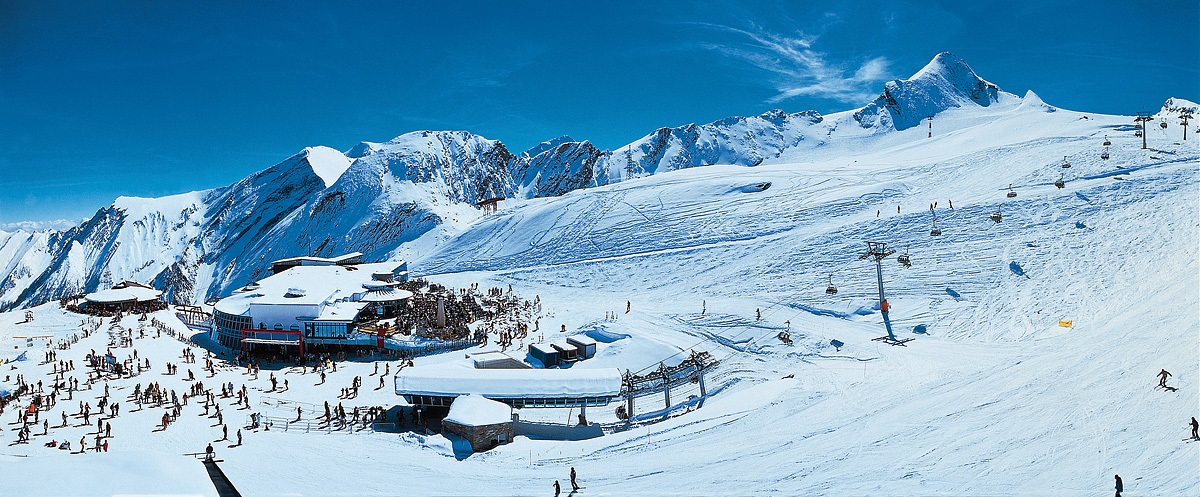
[(311, 302)]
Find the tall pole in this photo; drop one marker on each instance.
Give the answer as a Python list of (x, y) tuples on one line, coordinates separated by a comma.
[(1143, 118), (883, 303), (878, 251), (1184, 121)]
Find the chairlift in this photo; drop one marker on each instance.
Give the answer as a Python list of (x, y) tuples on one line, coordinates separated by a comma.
[(1163, 124), (831, 290), (1104, 155), (903, 258), (1138, 133), (996, 215), (1066, 164), (1061, 183), (1011, 193), (1106, 142)]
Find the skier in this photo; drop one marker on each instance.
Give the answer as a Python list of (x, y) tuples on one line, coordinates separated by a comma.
[(239, 436), (574, 485), (1120, 486), (208, 452), (1162, 378), (557, 488), (627, 306), (1195, 426)]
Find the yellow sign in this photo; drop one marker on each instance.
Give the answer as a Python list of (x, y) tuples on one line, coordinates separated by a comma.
[(1066, 323)]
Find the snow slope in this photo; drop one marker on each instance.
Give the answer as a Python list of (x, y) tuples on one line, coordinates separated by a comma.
[(402, 198), (992, 397)]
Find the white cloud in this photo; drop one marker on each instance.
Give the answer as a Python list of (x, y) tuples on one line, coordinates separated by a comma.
[(801, 71), (56, 224)]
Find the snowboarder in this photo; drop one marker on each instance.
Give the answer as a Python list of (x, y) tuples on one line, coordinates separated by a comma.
[(1120, 486), (1195, 426), (574, 485), (1162, 378)]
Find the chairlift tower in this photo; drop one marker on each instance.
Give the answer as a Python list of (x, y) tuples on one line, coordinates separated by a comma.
[(930, 127), (1143, 118), (878, 251), (1183, 119)]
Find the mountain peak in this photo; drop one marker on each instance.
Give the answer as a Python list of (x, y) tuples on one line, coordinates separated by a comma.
[(327, 163), (1175, 105), (946, 82)]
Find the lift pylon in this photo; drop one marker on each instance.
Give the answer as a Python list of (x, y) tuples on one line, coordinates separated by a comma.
[(878, 251)]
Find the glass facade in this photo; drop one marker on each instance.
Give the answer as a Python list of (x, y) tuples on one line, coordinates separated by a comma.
[(229, 328), (316, 329)]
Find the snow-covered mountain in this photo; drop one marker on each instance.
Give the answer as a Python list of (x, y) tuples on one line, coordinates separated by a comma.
[(403, 197)]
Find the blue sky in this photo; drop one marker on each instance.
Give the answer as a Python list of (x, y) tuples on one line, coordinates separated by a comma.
[(101, 99)]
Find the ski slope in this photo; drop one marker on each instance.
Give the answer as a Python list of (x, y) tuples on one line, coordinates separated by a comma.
[(992, 398)]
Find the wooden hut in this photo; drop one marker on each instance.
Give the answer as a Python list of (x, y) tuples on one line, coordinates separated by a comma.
[(482, 422)]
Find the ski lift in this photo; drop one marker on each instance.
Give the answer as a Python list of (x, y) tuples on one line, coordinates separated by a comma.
[(1106, 142), (831, 290), (935, 231), (1066, 164), (1163, 123), (1011, 193), (903, 258), (1138, 133), (1104, 155), (1061, 183), (996, 215)]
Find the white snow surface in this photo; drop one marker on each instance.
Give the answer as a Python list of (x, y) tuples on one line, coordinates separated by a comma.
[(993, 397), (461, 377), (327, 163), (474, 410)]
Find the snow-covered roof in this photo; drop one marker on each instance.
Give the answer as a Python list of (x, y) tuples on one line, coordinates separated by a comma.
[(341, 311), (129, 293), (475, 410), (319, 285), (310, 260), (544, 348), (581, 339), (449, 380), (496, 359)]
